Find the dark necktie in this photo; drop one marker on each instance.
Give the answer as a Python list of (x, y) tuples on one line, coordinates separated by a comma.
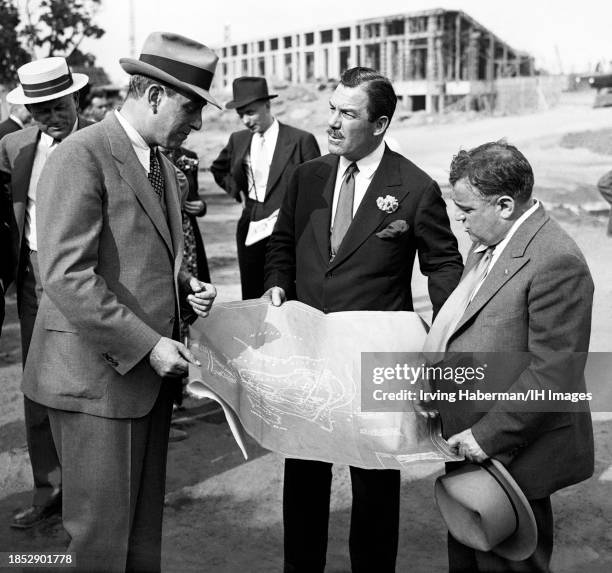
[(155, 175), (344, 209), (455, 306)]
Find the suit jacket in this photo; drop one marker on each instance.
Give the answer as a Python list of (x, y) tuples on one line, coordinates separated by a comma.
[(109, 263), (536, 299), (293, 147), (9, 125), (17, 152), (370, 271)]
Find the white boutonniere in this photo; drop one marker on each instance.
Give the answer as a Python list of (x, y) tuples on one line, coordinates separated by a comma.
[(388, 204)]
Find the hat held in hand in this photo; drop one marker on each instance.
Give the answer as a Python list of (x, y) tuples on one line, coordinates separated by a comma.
[(485, 509), (177, 61)]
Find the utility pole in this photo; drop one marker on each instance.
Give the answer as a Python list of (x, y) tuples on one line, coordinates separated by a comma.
[(132, 30)]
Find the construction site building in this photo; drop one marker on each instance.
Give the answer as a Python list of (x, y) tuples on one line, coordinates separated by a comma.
[(434, 58)]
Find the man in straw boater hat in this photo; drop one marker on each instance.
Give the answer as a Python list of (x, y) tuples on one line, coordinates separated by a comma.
[(523, 309), (50, 91), (105, 357), (255, 168)]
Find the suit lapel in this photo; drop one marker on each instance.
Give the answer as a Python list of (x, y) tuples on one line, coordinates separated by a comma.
[(387, 180), (282, 152), (20, 178), (173, 205), (512, 259), (243, 145), (324, 179), (132, 172)]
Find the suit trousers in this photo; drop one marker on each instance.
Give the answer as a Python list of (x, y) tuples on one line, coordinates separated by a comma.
[(463, 559), (373, 538), (252, 259), (46, 469), (114, 485)]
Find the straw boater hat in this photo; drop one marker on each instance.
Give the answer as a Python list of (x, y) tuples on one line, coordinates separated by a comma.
[(485, 509), (45, 80), (176, 61), (248, 89)]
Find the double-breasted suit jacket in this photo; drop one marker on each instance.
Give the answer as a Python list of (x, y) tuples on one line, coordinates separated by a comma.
[(373, 267), (110, 255), (534, 311)]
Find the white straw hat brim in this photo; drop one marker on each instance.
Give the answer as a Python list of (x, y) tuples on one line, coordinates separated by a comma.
[(18, 97)]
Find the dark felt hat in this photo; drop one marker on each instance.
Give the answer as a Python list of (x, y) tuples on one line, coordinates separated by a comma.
[(248, 89)]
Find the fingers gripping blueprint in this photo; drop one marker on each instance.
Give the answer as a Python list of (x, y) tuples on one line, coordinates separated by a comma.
[(290, 377)]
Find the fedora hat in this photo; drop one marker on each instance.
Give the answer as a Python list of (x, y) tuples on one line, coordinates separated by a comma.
[(176, 61), (485, 509), (45, 80), (248, 89)]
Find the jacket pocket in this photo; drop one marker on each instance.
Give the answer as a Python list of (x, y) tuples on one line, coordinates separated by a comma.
[(55, 320)]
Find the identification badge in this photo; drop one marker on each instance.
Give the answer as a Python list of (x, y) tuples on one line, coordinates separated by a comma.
[(259, 230)]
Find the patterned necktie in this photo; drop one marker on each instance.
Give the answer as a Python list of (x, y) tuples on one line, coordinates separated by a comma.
[(155, 175), (455, 306), (344, 209)]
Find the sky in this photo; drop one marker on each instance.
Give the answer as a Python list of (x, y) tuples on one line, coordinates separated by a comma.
[(563, 35)]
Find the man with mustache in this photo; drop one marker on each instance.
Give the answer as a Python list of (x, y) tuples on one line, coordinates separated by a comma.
[(347, 234), (255, 167), (50, 93), (105, 357)]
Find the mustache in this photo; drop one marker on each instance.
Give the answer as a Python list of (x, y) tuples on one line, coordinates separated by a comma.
[(335, 133)]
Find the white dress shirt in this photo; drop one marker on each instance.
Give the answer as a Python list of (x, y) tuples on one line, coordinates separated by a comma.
[(142, 150), (499, 248), (367, 167), (259, 160), (46, 145)]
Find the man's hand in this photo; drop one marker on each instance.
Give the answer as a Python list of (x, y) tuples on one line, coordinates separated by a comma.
[(202, 298), (276, 295), (194, 207), (466, 445), (170, 358)]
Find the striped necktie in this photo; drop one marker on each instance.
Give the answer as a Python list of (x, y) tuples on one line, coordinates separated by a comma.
[(455, 306)]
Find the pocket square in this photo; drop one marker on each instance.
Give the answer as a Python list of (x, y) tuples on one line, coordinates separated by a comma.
[(393, 229)]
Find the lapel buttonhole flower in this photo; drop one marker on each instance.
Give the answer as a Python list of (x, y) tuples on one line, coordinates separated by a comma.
[(388, 204)]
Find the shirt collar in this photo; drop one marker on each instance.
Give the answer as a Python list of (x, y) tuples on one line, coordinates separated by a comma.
[(367, 165), (271, 132), (49, 141), (502, 244), (135, 137), (17, 120)]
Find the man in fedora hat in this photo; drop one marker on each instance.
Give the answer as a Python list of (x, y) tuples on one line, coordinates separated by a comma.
[(105, 357), (50, 92), (523, 308), (255, 167)]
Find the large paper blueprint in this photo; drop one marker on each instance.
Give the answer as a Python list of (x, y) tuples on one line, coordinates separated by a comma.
[(290, 376)]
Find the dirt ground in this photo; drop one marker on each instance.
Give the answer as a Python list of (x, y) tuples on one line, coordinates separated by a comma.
[(224, 514)]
